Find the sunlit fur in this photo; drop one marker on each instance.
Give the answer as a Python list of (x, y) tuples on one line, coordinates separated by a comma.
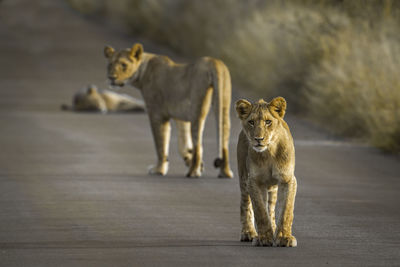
[(266, 159), (182, 92)]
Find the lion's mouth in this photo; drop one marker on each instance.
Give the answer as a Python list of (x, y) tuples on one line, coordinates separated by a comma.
[(115, 83), (259, 147)]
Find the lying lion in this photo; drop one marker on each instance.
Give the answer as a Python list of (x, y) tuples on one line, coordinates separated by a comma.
[(183, 92), (92, 99), (265, 154)]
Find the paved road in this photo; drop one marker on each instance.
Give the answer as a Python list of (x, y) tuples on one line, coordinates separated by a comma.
[(74, 189)]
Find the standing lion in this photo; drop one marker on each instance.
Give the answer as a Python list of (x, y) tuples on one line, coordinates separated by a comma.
[(183, 92), (266, 158)]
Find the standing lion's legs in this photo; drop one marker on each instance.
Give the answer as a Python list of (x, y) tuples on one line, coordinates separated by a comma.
[(196, 167), (197, 127), (161, 129), (258, 195), (272, 197), (246, 218), (226, 128), (286, 197), (221, 107), (185, 144)]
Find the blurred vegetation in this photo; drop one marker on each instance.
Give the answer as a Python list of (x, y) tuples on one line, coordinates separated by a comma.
[(336, 61)]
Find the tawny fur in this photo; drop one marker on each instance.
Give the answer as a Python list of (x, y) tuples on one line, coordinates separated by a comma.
[(93, 99), (183, 92), (266, 160)]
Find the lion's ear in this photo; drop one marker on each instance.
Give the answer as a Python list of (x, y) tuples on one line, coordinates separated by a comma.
[(278, 106), (91, 89), (137, 51), (243, 108), (108, 51)]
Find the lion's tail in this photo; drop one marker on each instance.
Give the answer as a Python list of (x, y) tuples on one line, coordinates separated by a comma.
[(221, 103)]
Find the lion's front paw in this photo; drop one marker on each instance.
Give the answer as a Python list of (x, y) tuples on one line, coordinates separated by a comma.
[(263, 241), (159, 169), (248, 236), (286, 241)]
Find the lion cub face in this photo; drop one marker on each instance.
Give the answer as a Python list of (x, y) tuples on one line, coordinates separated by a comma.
[(261, 120), (122, 65)]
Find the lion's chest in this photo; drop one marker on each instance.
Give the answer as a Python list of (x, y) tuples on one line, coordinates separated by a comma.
[(262, 172)]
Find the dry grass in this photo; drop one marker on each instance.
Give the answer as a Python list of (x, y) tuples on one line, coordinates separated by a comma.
[(272, 52), (356, 85), (334, 60)]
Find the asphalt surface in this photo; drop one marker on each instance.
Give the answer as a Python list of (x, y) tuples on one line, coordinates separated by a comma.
[(74, 189)]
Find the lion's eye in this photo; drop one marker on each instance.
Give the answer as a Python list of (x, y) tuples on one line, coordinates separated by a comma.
[(251, 122), (268, 122), (124, 66)]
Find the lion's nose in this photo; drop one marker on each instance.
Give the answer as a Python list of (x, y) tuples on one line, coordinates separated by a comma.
[(259, 139)]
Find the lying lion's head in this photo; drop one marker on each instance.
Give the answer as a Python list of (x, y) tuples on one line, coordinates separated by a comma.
[(261, 120), (122, 65), (89, 99)]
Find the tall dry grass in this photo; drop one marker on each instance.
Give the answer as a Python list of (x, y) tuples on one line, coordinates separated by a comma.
[(273, 50), (355, 88), (336, 61)]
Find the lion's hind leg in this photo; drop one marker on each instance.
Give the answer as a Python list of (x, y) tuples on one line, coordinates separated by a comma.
[(185, 145), (221, 105), (197, 127)]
